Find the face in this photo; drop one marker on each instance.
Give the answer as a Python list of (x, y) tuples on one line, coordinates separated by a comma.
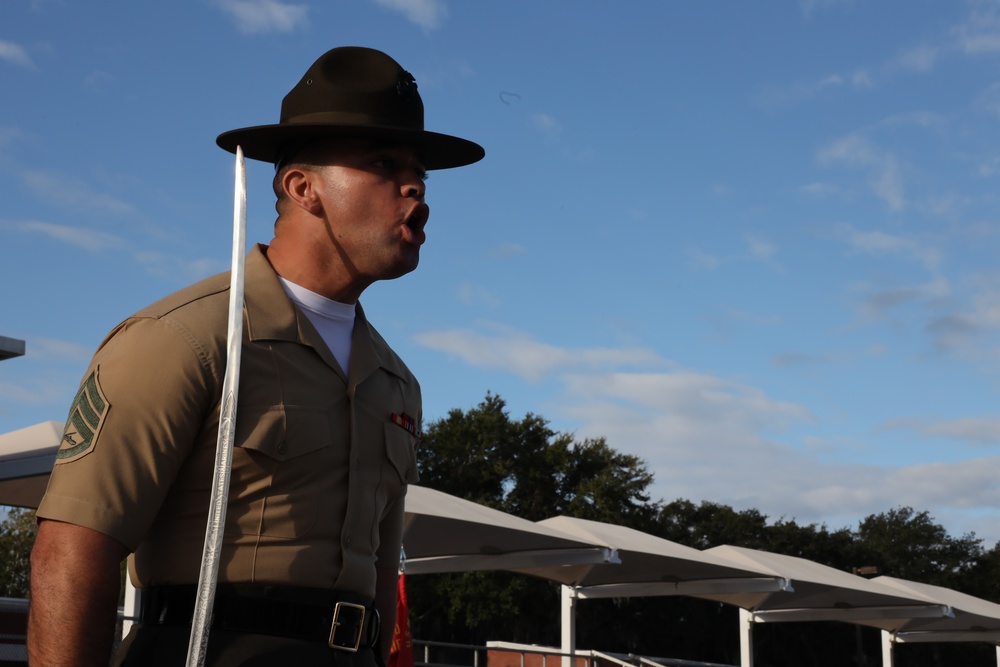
[(372, 198)]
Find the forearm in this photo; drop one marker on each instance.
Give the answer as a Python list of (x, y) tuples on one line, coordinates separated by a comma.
[(75, 586)]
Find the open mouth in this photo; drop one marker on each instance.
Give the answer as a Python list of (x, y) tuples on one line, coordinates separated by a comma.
[(417, 218)]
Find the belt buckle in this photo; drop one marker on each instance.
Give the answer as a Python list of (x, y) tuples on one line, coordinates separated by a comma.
[(336, 623)]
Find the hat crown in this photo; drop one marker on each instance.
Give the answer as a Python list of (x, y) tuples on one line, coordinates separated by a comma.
[(353, 85)]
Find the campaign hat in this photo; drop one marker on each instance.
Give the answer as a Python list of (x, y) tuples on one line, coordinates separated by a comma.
[(353, 92)]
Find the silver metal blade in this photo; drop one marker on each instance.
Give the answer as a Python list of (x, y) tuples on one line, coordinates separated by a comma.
[(209, 573)]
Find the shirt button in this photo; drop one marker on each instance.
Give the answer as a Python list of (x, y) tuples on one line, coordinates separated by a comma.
[(282, 447)]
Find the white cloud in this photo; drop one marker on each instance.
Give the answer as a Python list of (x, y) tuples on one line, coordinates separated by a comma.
[(703, 261), (428, 14), (15, 55), (98, 80), (880, 301), (980, 33), (545, 124), (820, 189), (885, 178), (508, 250), (757, 249), (862, 79), (517, 353), (976, 431), (87, 239), (154, 263), (707, 437), (473, 295), (888, 184), (171, 266), (69, 193), (773, 96), (921, 119), (259, 16), (760, 249), (879, 242), (971, 330), (50, 348), (853, 149), (919, 60), (989, 99)]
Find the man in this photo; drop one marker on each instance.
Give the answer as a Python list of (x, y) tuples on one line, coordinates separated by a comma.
[(327, 421)]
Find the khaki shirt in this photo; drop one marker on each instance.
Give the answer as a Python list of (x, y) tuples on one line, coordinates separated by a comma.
[(320, 463)]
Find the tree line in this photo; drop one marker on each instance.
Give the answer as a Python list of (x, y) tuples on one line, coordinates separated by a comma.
[(524, 467)]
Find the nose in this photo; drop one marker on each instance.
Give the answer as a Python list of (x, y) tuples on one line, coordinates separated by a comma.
[(415, 188)]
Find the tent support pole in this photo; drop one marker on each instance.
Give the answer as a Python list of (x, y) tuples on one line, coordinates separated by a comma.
[(568, 625), (888, 654), (746, 638)]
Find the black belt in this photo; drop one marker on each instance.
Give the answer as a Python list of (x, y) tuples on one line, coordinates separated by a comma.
[(345, 621)]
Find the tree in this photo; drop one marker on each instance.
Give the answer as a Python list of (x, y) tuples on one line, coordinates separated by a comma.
[(710, 525), (525, 468), (17, 534), (907, 544)]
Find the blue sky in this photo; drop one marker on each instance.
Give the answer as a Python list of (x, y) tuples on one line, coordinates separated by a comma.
[(752, 243)]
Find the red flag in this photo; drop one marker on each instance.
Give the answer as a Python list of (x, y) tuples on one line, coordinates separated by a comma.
[(401, 654)]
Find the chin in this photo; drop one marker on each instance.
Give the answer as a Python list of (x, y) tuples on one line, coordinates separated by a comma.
[(402, 268)]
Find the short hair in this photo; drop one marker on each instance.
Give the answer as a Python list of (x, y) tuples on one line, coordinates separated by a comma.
[(299, 155)]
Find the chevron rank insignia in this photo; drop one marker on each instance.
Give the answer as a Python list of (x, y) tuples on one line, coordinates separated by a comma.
[(86, 417)]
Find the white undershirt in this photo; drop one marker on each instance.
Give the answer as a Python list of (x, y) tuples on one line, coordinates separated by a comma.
[(333, 320)]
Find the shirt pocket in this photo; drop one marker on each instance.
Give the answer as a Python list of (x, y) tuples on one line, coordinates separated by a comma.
[(284, 463), (401, 454)]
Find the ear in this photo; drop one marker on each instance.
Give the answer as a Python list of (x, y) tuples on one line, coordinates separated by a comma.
[(301, 189)]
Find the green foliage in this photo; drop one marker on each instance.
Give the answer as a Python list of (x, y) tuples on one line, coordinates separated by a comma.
[(524, 468), (17, 534), (907, 544)]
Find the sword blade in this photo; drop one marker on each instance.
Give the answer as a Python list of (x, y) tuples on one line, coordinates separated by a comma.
[(208, 576)]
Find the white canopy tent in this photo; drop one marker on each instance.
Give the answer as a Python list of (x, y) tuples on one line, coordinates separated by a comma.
[(649, 566), (26, 458), (973, 619), (443, 533), (821, 593)]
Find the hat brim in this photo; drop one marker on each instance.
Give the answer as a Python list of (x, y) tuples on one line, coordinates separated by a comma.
[(268, 142)]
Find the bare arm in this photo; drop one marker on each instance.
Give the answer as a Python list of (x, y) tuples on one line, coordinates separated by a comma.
[(386, 580), (75, 585)]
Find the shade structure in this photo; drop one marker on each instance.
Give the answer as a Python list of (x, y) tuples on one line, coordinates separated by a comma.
[(10, 348), (444, 533), (824, 593), (650, 565), (973, 619), (26, 458)]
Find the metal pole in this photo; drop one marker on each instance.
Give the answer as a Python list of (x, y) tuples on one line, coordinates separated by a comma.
[(209, 573)]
